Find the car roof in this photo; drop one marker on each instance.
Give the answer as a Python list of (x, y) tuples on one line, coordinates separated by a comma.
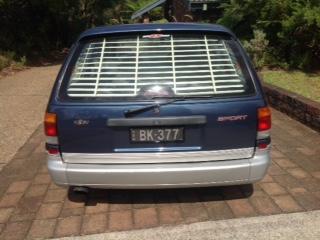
[(132, 28)]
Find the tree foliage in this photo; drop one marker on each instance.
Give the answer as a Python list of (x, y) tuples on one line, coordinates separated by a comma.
[(292, 28), (35, 27)]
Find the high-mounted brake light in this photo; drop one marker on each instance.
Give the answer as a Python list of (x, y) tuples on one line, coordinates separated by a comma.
[(50, 125), (264, 119)]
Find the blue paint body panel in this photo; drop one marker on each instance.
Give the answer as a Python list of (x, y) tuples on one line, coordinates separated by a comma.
[(140, 28), (97, 137)]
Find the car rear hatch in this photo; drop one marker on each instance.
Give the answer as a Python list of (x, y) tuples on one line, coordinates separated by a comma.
[(157, 98)]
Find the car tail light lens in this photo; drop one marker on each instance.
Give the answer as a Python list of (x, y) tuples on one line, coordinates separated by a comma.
[(264, 125), (264, 119), (50, 125), (50, 128)]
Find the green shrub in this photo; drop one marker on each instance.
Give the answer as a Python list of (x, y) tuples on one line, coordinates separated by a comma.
[(257, 48), (8, 59), (300, 36), (241, 16), (292, 28), (21, 63), (4, 62)]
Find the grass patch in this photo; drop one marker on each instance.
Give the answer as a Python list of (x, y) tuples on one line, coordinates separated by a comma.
[(305, 84)]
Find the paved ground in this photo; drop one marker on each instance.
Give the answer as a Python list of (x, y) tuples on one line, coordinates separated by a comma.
[(31, 206), (23, 99), (298, 226)]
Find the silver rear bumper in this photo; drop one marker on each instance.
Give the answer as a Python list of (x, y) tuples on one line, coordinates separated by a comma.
[(164, 175), (158, 157)]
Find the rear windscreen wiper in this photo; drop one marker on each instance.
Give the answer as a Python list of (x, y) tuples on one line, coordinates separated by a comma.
[(132, 112), (135, 111)]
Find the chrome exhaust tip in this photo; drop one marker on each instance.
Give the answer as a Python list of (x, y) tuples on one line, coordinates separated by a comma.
[(80, 189)]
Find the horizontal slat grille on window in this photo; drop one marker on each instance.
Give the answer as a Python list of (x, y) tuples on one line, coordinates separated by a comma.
[(191, 66)]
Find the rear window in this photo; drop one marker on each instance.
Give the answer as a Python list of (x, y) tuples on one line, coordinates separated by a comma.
[(155, 65)]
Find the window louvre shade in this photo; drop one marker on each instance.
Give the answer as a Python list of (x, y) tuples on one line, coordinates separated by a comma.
[(191, 66)]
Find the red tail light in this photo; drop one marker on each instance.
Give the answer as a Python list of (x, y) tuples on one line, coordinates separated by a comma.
[(264, 119), (50, 125), (50, 128)]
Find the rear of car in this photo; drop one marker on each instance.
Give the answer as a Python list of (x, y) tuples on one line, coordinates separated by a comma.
[(144, 106)]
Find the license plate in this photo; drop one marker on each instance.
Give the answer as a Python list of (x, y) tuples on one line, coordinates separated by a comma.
[(156, 135)]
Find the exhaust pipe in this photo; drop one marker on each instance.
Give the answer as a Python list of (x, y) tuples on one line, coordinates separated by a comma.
[(80, 189)]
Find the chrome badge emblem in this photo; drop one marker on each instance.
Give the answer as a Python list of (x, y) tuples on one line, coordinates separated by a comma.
[(81, 122), (156, 36), (232, 118), (156, 110)]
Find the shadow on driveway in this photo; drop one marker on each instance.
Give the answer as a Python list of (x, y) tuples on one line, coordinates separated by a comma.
[(161, 196)]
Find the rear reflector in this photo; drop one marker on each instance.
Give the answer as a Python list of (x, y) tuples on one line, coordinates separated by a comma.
[(52, 148), (50, 124), (262, 146), (53, 151), (264, 119), (263, 143)]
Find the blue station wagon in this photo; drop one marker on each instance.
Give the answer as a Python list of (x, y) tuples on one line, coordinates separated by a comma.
[(157, 106)]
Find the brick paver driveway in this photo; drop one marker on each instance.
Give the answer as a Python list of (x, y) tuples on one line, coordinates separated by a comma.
[(32, 206)]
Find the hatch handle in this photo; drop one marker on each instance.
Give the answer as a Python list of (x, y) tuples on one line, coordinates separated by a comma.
[(157, 121)]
